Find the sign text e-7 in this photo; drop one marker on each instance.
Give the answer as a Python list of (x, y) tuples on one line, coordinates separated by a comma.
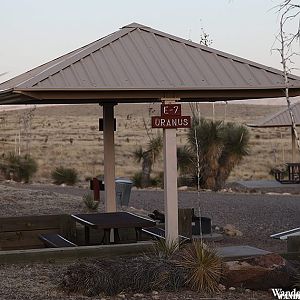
[(168, 110)]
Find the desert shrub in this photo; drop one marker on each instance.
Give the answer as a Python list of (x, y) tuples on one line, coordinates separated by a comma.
[(137, 179), (111, 277), (204, 267), (89, 202), (165, 248), (17, 167), (64, 175), (154, 181), (158, 180), (185, 180)]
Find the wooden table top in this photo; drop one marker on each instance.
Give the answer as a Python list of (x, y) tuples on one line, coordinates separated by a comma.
[(113, 220)]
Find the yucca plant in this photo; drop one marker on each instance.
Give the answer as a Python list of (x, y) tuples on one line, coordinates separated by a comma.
[(17, 167), (220, 147), (236, 146), (203, 265), (64, 175), (148, 157), (165, 248), (89, 202)]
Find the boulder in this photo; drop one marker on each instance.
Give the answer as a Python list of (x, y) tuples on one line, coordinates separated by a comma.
[(259, 273), (230, 230)]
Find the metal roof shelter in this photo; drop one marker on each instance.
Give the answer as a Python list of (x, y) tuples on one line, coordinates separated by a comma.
[(141, 64), (138, 63), (281, 119)]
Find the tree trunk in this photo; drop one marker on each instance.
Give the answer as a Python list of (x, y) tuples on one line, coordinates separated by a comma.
[(146, 172), (225, 170)]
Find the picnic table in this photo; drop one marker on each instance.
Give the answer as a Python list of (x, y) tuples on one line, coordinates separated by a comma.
[(112, 220), (293, 172)]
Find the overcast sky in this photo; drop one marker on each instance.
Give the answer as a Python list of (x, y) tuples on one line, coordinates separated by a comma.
[(36, 31)]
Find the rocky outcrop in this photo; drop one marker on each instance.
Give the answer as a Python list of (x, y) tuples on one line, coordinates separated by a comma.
[(260, 273)]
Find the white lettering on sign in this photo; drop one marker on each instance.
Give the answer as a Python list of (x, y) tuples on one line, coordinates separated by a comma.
[(171, 122), (170, 110)]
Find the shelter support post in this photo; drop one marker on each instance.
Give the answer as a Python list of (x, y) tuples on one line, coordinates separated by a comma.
[(109, 157), (293, 145), (170, 180)]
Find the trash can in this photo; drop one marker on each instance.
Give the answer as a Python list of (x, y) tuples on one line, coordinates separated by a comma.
[(205, 225), (123, 190)]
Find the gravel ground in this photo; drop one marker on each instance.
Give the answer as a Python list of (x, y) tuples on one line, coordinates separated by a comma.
[(256, 215)]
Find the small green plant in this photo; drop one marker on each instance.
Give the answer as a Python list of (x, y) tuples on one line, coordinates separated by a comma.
[(137, 179), (17, 167), (64, 175), (204, 266), (89, 202), (165, 248)]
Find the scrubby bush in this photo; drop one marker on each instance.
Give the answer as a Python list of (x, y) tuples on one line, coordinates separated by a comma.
[(89, 202), (64, 175), (17, 167), (154, 181), (137, 179)]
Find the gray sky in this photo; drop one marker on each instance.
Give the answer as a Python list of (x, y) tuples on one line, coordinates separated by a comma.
[(36, 31)]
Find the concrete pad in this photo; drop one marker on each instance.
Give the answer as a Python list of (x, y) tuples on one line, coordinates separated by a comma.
[(214, 237), (235, 252)]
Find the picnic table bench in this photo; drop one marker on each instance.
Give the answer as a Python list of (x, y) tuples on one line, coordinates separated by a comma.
[(54, 240)]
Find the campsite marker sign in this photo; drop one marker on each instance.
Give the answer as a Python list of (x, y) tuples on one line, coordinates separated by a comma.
[(171, 118)]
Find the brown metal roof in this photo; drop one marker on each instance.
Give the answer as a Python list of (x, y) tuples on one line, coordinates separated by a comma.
[(141, 63), (280, 119)]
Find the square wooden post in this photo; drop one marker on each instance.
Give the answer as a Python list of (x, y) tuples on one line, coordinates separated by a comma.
[(109, 157), (170, 180)]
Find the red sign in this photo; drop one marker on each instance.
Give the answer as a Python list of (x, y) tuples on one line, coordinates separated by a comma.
[(171, 122), (170, 110)]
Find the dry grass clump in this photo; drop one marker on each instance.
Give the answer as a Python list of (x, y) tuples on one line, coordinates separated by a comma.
[(111, 277), (62, 175)]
